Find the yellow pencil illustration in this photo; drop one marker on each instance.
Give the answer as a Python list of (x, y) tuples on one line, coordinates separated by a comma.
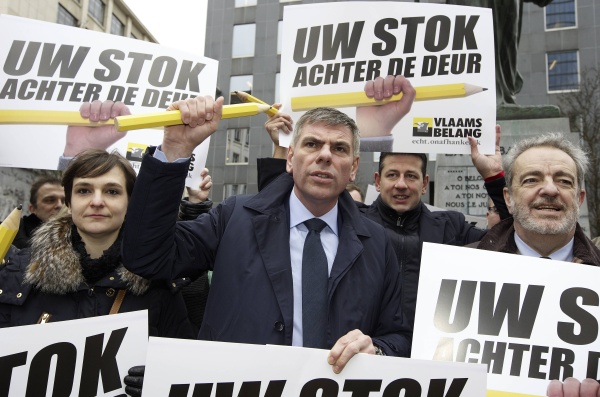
[(173, 117), (124, 123), (351, 99), (8, 231), (245, 97), (49, 117)]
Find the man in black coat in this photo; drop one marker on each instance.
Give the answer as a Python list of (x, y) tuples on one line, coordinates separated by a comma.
[(46, 198), (401, 181)]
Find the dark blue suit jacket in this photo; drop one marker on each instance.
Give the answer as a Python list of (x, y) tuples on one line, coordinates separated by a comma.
[(245, 240)]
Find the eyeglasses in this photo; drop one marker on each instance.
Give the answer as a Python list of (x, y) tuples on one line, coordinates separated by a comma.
[(493, 209)]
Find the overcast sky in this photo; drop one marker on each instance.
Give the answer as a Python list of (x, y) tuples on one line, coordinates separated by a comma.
[(179, 24)]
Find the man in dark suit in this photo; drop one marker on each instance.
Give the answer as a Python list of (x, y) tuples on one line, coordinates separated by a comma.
[(254, 244)]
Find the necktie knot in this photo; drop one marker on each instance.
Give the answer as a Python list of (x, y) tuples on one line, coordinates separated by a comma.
[(315, 224)]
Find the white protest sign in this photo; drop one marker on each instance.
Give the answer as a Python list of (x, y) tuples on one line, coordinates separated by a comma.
[(87, 357), (330, 50), (529, 319), (177, 367), (48, 66)]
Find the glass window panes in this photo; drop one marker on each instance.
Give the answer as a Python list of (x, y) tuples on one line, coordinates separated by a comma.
[(116, 26), (65, 17), (562, 71), (233, 189), (560, 14), (240, 83), (96, 10), (277, 78), (237, 147), (243, 40), (279, 36), (245, 3)]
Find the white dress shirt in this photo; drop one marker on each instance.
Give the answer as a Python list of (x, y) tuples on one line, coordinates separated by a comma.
[(298, 232)]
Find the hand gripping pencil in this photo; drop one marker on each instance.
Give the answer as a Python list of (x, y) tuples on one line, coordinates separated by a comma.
[(8, 231), (352, 99), (173, 117)]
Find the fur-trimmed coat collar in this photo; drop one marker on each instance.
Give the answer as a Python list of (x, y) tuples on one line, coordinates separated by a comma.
[(54, 266)]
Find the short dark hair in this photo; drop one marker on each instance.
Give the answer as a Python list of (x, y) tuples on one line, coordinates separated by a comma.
[(422, 156), (38, 183), (92, 163), (353, 186), (330, 117)]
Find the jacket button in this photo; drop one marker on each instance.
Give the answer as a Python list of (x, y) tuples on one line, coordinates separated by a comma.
[(0, 291), (111, 278), (278, 326), (19, 295), (110, 292)]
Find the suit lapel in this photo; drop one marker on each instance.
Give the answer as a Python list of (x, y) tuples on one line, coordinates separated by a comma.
[(272, 234)]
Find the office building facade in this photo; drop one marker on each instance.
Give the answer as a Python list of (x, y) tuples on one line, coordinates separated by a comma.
[(244, 36)]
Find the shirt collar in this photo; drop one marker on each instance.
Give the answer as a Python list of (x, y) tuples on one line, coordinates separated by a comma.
[(299, 213), (563, 254)]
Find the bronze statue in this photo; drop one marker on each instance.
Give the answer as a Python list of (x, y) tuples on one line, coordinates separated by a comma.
[(508, 16)]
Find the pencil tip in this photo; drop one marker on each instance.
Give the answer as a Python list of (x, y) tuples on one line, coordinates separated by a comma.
[(484, 89), (20, 207)]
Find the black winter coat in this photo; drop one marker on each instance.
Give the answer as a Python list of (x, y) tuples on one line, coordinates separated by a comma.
[(47, 278)]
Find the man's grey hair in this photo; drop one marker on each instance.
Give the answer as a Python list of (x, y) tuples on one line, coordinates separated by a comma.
[(330, 117), (554, 140)]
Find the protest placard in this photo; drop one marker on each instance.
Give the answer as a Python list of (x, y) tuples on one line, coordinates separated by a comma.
[(52, 67), (181, 367), (447, 52), (528, 319), (87, 357)]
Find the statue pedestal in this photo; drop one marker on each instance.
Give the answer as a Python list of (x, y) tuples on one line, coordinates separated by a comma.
[(459, 186)]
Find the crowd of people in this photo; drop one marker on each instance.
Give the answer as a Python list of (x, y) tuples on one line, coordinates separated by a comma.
[(122, 243)]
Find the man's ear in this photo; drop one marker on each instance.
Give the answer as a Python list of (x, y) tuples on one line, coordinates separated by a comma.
[(31, 208), (507, 199), (354, 169), (377, 181), (581, 197), (290, 157), (425, 183)]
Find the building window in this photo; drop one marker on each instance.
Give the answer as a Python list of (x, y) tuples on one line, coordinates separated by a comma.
[(237, 146), (560, 14), (244, 3), (96, 10), (279, 36), (65, 17), (277, 87), (239, 83), (243, 40), (562, 71), (116, 26), (233, 189)]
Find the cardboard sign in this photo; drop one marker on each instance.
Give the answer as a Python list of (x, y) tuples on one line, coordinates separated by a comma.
[(528, 319), (331, 50), (47, 66), (178, 367), (87, 357)]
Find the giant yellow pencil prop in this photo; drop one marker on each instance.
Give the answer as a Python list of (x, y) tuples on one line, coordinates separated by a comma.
[(49, 117), (173, 117), (245, 97), (353, 99), (124, 123), (8, 231)]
